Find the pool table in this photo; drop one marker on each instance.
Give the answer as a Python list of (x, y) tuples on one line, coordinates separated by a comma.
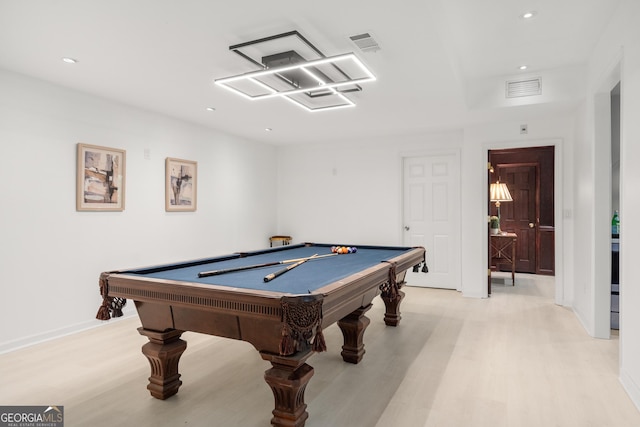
[(282, 318)]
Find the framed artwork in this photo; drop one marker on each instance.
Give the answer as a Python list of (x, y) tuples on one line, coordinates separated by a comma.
[(100, 178), (181, 184)]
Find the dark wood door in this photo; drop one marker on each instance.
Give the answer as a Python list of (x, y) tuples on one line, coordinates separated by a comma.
[(520, 216), (529, 175)]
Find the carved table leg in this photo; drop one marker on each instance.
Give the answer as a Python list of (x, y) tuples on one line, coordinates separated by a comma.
[(163, 351), (353, 326), (392, 314), (288, 380)]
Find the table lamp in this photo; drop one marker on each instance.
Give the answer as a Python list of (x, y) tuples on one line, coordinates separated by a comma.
[(499, 192)]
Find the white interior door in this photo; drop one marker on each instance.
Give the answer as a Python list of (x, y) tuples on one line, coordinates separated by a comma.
[(432, 217)]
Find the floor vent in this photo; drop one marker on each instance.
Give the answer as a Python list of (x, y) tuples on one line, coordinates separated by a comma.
[(528, 87), (365, 42)]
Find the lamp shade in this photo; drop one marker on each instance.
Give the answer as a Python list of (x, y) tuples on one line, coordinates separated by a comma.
[(499, 192)]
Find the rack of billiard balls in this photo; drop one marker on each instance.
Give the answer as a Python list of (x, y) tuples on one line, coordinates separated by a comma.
[(343, 249)]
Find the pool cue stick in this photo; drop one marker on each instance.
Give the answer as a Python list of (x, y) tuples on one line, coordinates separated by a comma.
[(270, 277), (249, 267)]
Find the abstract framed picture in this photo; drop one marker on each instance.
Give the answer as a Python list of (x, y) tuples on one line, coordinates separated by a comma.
[(181, 184), (100, 178)]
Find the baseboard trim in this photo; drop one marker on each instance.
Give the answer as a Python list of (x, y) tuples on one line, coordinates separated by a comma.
[(32, 340), (630, 386)]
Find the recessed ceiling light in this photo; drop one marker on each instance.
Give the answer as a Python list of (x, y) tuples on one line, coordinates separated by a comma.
[(529, 14), (523, 67), (268, 129), (69, 60), (211, 109)]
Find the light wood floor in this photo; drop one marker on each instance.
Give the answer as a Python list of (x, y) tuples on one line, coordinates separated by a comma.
[(515, 359)]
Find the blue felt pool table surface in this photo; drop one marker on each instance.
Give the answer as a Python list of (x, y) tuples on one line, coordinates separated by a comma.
[(306, 278)]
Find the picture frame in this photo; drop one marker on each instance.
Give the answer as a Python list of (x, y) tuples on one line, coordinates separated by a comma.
[(181, 185), (100, 178)]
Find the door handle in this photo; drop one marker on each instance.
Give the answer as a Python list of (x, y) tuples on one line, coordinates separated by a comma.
[(531, 225), (406, 227)]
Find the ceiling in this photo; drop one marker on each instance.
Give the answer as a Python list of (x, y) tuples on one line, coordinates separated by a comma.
[(439, 62)]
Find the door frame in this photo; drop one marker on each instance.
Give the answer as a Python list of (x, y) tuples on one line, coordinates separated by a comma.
[(559, 212), (601, 271), (540, 245)]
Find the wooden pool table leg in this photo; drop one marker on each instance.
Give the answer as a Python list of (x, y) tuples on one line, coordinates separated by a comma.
[(353, 326), (163, 351), (288, 379), (392, 313)]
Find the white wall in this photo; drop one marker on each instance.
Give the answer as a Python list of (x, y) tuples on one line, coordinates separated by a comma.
[(617, 57), (349, 192), (362, 202), (622, 40), (555, 130), (51, 255), (583, 161)]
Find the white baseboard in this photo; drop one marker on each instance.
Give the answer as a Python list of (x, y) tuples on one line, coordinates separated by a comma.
[(630, 386), (14, 345)]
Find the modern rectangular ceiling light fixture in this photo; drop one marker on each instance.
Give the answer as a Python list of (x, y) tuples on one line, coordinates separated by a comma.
[(293, 81), (293, 69)]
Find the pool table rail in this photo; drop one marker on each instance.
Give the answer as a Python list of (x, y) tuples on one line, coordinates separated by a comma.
[(165, 304)]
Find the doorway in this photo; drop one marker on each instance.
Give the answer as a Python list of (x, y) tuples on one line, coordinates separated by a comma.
[(615, 206), (529, 175)]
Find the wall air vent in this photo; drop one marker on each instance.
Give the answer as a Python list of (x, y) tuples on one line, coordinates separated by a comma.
[(365, 42), (527, 87)]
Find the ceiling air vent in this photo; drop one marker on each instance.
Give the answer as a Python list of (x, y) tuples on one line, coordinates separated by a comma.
[(365, 42), (527, 87)]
